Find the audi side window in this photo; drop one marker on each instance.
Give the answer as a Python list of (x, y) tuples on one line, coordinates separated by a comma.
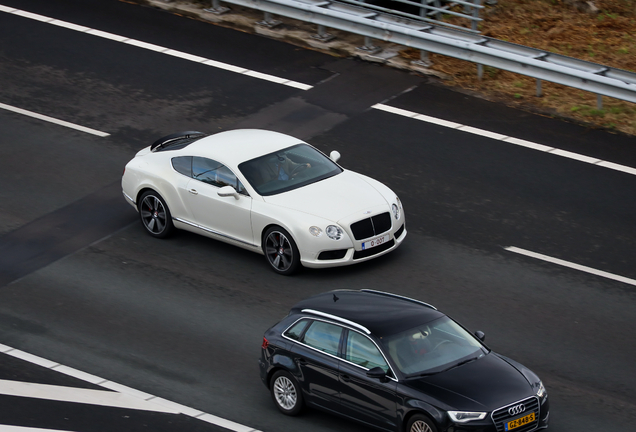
[(323, 336), (361, 351), (296, 330), (183, 165)]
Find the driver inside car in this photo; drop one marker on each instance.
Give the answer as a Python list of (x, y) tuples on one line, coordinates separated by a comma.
[(284, 168)]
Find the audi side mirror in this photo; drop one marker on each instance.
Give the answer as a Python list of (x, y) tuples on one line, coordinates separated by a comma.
[(480, 335), (377, 373), (334, 156)]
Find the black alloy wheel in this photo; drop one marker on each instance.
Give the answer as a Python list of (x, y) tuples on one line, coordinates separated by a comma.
[(281, 251), (420, 423), (286, 393), (155, 215)]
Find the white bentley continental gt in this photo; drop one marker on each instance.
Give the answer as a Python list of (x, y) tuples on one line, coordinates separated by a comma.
[(266, 192)]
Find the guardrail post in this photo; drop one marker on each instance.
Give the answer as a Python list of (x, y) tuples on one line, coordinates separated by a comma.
[(369, 47), (323, 35), (474, 22), (424, 60), (269, 21), (599, 101), (217, 8), (480, 71), (539, 90)]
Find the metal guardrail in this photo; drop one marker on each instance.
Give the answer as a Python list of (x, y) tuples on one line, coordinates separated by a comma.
[(542, 65)]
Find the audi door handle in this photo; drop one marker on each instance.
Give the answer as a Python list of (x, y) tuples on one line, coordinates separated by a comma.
[(302, 361), (193, 191), (345, 378)]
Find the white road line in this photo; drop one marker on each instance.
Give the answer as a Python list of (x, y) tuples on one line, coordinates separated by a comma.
[(571, 265), (53, 120), (7, 428), (153, 47), (504, 138), (144, 401), (80, 395)]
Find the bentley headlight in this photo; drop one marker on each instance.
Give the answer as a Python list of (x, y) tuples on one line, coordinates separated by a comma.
[(541, 392), (466, 416), (334, 232), (397, 208), (315, 231)]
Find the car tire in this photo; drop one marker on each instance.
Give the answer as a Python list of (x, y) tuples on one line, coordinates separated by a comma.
[(286, 393), (281, 251), (420, 423), (155, 215)]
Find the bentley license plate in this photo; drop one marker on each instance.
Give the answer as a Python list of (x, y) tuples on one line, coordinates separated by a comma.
[(375, 242), (520, 422)]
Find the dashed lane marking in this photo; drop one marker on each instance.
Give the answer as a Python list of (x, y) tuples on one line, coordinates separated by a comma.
[(53, 120), (571, 265), (157, 48), (121, 394), (505, 138)]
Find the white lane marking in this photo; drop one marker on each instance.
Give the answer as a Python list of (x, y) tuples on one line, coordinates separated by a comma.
[(504, 138), (7, 428), (163, 405), (153, 47), (571, 265), (80, 395), (53, 120)]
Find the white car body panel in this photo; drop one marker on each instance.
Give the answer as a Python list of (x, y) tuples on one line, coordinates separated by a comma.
[(196, 206)]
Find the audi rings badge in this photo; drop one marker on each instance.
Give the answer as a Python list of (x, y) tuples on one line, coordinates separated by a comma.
[(516, 410)]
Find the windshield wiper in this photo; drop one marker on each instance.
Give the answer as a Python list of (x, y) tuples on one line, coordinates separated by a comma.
[(420, 375)]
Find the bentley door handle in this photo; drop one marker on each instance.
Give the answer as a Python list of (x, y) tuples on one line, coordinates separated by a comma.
[(302, 361), (193, 191), (345, 378)]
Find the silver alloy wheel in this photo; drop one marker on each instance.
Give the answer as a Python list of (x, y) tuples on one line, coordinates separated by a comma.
[(279, 251), (420, 426), (285, 393), (153, 214)]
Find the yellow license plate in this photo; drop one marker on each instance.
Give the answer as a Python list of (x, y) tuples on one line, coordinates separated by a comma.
[(520, 422)]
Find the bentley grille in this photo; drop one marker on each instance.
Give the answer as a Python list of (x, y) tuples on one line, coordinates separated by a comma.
[(372, 226)]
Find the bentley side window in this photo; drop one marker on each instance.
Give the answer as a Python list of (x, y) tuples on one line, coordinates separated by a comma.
[(183, 165), (361, 351), (323, 336), (215, 173)]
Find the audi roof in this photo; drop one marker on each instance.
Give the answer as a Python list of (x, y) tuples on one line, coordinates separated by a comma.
[(383, 314)]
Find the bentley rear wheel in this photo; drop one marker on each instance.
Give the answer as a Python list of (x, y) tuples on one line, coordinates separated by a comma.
[(155, 215)]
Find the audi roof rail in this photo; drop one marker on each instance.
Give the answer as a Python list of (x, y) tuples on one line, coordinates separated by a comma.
[(387, 294), (337, 318), (173, 138)]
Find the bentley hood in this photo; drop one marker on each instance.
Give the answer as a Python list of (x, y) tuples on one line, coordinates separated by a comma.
[(336, 197)]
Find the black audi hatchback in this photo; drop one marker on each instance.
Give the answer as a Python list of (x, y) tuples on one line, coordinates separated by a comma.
[(396, 364)]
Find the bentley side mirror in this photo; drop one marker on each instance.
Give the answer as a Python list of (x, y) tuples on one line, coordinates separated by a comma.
[(480, 335), (378, 373), (228, 191), (334, 156)]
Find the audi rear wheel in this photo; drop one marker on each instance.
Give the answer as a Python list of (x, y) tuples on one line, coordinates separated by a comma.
[(286, 393)]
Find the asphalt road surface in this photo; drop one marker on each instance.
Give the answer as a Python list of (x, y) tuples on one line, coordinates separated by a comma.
[(82, 285)]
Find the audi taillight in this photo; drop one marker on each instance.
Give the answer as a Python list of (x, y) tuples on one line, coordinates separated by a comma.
[(265, 343)]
